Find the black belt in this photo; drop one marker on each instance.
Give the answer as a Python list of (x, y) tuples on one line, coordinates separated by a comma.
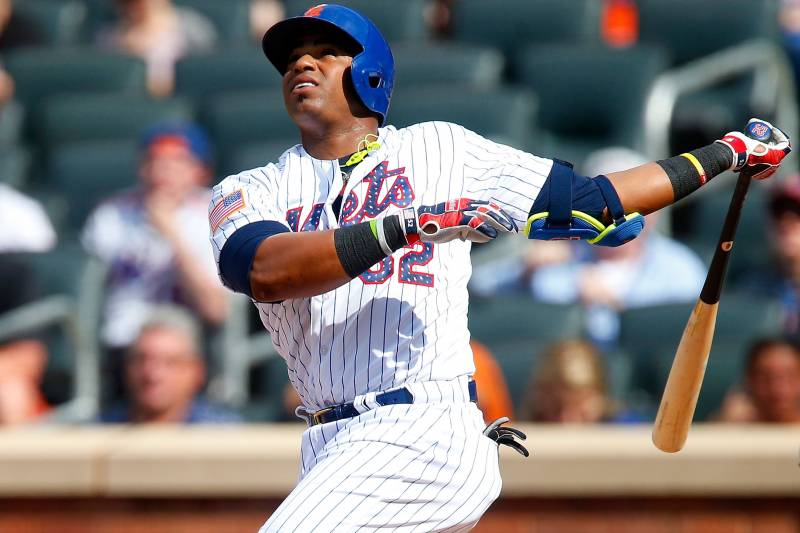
[(394, 397)]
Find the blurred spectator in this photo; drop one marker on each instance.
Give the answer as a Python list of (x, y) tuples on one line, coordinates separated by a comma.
[(164, 374), (23, 355), (160, 33), (790, 24), (16, 31), (772, 382), (494, 399), (569, 386), (650, 270), (26, 227), (6, 87), (439, 16), (781, 280), (263, 14), (154, 238)]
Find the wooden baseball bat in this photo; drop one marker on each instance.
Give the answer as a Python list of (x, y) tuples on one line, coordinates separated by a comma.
[(678, 403)]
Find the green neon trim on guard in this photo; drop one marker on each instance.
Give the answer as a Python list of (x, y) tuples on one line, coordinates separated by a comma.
[(599, 226), (373, 225)]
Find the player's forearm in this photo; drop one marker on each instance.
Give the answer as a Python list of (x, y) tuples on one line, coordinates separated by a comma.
[(643, 189), (650, 187), (296, 265)]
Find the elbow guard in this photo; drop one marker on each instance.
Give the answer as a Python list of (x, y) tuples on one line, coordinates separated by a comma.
[(569, 207)]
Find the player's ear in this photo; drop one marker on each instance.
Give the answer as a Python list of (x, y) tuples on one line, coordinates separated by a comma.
[(357, 107)]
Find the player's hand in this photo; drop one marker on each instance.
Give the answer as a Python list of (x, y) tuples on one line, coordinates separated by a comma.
[(462, 218), (759, 150)]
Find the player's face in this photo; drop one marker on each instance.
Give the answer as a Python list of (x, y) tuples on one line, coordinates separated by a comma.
[(774, 383), (315, 88), (162, 371)]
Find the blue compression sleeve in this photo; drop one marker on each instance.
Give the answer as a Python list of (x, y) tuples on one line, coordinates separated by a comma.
[(236, 257)]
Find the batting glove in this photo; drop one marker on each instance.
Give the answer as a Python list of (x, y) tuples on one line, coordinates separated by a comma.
[(759, 150), (506, 435), (462, 218)]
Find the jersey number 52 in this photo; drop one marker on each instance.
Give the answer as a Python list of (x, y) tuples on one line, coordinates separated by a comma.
[(417, 255)]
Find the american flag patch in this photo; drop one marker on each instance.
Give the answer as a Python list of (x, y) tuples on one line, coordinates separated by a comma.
[(225, 208)]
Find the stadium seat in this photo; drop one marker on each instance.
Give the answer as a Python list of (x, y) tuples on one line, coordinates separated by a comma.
[(231, 18), (70, 118), (14, 165), (398, 21), (517, 330), (67, 316), (269, 378), (682, 26), (707, 213), (651, 335), (43, 72), (724, 370), (80, 175), (254, 155), (232, 69), (462, 64), (505, 113), (11, 120), (513, 23), (235, 119), (602, 106), (58, 22)]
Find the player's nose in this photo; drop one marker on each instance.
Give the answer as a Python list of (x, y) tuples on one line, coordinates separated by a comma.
[(304, 63)]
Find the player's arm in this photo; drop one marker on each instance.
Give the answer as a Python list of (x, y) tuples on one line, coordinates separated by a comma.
[(269, 263), (607, 210)]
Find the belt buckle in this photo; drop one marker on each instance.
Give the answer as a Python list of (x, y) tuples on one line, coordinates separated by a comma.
[(315, 417)]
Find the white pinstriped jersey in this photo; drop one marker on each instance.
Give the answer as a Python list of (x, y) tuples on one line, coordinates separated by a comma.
[(404, 320)]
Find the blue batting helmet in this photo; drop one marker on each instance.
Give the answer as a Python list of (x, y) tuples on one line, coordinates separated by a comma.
[(372, 70)]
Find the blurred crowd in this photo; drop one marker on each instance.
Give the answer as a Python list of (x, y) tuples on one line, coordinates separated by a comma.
[(162, 303)]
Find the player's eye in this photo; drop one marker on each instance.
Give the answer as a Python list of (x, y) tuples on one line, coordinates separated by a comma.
[(330, 52)]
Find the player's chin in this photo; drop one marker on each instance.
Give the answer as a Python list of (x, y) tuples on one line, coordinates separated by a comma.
[(303, 109)]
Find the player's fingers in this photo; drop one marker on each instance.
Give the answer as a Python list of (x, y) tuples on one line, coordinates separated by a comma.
[(517, 433), (781, 140), (511, 443), (497, 218), (485, 229)]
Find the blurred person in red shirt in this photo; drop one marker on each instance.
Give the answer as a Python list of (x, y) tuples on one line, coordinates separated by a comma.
[(23, 356), (159, 33), (494, 400), (772, 386), (164, 375)]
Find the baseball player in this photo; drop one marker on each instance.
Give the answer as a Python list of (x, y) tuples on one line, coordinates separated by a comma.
[(355, 247)]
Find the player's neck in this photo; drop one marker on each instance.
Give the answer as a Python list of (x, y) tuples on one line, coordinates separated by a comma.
[(336, 142)]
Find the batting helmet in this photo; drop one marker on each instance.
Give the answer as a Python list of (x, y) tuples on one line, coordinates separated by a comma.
[(372, 70)]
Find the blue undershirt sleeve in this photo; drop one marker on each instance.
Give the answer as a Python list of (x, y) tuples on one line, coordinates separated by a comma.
[(236, 257)]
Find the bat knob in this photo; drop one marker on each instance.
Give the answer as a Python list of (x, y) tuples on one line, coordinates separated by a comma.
[(758, 130)]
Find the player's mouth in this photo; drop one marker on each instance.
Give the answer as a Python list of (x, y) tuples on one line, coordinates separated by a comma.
[(302, 84)]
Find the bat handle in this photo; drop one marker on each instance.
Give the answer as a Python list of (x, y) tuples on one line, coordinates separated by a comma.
[(712, 288)]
